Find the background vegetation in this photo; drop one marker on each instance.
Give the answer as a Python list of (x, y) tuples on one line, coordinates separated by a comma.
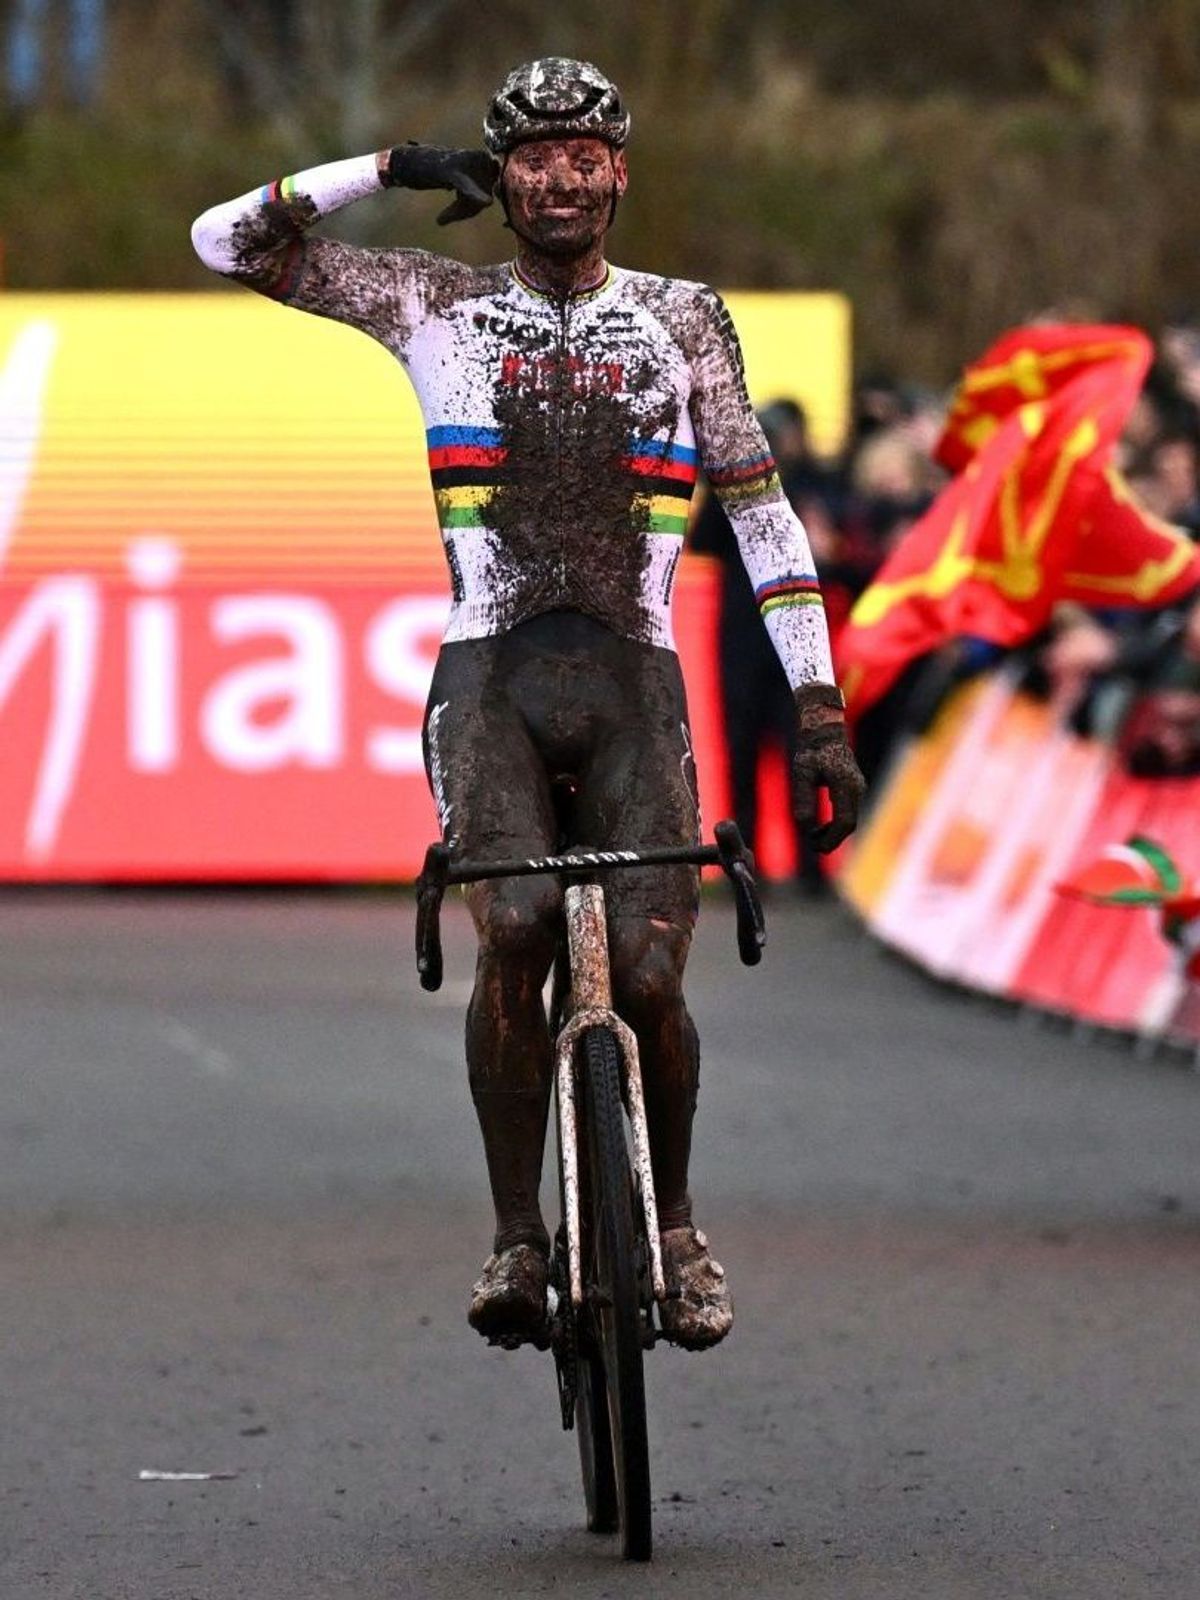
[(953, 167)]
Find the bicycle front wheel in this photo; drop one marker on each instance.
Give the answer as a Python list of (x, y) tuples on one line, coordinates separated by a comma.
[(616, 1314)]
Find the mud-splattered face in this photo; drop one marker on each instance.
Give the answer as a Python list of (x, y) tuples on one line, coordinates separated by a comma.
[(561, 193)]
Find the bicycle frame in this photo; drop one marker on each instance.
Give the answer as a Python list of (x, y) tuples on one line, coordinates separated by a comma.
[(591, 988)]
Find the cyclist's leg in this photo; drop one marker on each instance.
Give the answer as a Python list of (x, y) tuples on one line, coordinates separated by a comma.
[(640, 788), (493, 800), (648, 957)]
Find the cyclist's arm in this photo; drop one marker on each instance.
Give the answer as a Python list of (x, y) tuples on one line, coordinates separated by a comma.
[(261, 240), (739, 466)]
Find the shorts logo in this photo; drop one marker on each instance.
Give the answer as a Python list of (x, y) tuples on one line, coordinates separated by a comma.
[(437, 772), (687, 768)]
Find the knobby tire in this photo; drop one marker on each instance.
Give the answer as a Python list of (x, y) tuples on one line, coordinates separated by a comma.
[(616, 1310), (592, 1432)]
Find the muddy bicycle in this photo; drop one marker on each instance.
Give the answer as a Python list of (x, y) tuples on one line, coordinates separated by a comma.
[(606, 1268)]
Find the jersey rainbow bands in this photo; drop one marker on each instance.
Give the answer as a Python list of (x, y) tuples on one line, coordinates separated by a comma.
[(797, 589), (280, 189), (467, 466), (565, 436)]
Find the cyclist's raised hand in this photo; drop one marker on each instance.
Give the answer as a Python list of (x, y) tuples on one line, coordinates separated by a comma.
[(471, 174), (824, 760)]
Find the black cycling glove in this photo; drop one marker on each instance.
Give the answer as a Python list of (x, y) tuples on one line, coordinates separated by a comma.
[(472, 174), (825, 759)]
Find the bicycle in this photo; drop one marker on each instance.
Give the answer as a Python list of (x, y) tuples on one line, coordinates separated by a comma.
[(606, 1269)]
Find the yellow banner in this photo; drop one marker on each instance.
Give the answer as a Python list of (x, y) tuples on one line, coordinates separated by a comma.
[(257, 438)]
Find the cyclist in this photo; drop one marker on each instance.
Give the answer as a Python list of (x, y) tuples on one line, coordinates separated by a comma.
[(569, 405)]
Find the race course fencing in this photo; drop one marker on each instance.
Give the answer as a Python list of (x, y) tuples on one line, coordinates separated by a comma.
[(980, 819)]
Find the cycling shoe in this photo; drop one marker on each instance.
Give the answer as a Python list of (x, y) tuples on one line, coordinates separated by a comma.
[(698, 1311), (508, 1303)]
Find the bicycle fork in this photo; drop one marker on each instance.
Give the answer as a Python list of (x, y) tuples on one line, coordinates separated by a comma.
[(591, 988)]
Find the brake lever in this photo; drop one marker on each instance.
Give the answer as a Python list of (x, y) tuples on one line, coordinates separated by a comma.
[(431, 886), (738, 865)]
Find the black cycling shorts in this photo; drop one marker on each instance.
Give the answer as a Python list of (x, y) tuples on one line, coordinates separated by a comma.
[(562, 695)]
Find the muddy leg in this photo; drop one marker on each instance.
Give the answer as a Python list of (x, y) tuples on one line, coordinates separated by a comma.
[(647, 959), (509, 1056)]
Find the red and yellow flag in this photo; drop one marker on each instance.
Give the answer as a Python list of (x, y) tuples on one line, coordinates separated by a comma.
[(1036, 514)]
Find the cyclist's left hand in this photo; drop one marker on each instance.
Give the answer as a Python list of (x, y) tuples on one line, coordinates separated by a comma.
[(824, 759)]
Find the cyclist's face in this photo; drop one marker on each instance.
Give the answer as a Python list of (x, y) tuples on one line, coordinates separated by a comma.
[(561, 192)]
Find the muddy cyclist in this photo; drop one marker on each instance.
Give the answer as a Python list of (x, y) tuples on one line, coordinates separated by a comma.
[(569, 406)]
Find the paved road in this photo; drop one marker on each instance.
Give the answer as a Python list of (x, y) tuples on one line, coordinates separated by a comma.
[(241, 1203)]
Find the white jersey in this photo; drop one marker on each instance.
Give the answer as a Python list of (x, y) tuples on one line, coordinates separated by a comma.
[(565, 435)]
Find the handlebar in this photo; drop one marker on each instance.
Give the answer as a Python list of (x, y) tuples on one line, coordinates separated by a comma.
[(729, 852), (737, 863)]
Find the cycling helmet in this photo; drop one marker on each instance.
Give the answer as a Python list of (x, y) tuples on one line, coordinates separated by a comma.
[(555, 98)]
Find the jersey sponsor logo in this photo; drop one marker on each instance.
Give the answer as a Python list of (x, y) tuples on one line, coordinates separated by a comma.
[(525, 334), (551, 375)]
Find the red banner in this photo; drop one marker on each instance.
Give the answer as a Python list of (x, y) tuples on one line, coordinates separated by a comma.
[(156, 728)]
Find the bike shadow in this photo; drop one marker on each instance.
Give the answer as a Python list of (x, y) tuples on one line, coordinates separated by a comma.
[(688, 1560)]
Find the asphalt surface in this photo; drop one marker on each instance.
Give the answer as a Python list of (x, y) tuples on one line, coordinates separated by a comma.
[(241, 1203)]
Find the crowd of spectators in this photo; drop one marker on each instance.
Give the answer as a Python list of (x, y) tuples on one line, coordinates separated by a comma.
[(1131, 677)]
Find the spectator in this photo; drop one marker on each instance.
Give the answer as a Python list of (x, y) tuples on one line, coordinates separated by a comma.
[(801, 471), (892, 484), (1166, 480), (757, 706), (1180, 346), (878, 404)]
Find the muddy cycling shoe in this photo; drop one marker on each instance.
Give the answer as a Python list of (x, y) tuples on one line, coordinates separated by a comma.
[(702, 1312), (508, 1303)]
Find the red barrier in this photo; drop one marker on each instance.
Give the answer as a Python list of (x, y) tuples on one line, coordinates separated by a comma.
[(1108, 963), (958, 863)]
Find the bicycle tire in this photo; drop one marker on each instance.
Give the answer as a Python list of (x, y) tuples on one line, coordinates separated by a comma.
[(592, 1431), (596, 1448), (616, 1309), (590, 1403)]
